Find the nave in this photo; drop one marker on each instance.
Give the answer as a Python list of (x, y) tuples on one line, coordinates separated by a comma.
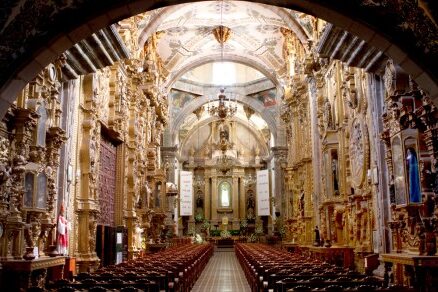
[(222, 123), (247, 267), (222, 273)]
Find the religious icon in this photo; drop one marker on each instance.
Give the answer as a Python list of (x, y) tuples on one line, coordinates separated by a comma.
[(335, 176), (317, 237), (302, 203), (413, 176)]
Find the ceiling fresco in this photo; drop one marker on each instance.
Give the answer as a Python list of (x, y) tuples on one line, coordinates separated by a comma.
[(186, 33), (43, 29), (257, 40)]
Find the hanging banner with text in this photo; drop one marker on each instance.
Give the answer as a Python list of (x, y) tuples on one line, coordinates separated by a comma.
[(186, 193), (263, 193)]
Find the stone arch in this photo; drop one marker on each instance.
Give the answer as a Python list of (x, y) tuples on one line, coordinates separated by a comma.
[(230, 58), (57, 28), (291, 23), (256, 105)]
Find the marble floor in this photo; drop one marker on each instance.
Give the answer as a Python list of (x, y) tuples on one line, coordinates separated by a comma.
[(223, 273)]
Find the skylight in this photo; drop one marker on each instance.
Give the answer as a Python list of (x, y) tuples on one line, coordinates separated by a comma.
[(224, 73)]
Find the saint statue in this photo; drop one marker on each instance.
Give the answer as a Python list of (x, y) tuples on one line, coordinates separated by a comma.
[(199, 202), (62, 233), (392, 190), (250, 203), (335, 176), (328, 120), (257, 151), (413, 176), (317, 237), (302, 203), (223, 134)]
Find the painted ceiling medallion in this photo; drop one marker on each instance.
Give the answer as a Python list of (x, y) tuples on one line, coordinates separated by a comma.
[(222, 34)]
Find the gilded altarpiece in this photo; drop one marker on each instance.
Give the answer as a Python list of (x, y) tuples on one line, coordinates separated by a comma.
[(298, 173), (410, 136), (347, 202), (30, 139), (123, 102)]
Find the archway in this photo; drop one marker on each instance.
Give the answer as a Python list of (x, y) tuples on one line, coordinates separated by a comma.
[(34, 35)]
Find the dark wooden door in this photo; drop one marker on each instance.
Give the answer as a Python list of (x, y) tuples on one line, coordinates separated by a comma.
[(106, 244), (107, 182), (105, 237)]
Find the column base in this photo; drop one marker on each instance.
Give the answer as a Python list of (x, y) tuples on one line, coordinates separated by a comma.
[(87, 262)]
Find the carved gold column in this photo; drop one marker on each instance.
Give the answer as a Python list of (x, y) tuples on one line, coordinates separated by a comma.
[(131, 149), (86, 203)]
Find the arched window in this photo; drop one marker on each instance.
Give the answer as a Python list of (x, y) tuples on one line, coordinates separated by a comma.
[(225, 194)]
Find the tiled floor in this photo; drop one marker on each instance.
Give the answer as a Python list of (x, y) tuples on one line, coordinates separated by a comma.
[(222, 274)]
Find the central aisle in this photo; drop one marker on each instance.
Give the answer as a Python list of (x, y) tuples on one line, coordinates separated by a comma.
[(222, 274)]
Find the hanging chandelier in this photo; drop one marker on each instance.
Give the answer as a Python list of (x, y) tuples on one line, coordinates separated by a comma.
[(222, 110), (222, 34)]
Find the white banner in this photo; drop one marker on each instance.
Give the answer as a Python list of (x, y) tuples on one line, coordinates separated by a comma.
[(186, 193), (263, 193)]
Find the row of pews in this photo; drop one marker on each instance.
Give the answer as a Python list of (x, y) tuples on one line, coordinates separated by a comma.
[(271, 269), (175, 269)]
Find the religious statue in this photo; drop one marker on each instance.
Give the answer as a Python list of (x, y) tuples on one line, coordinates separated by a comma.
[(149, 196), (223, 134), (257, 151), (302, 203), (413, 176), (392, 190), (289, 50), (144, 196), (328, 120), (199, 202), (62, 233), (157, 199), (192, 155), (335, 176), (317, 237), (192, 151), (250, 204), (257, 155)]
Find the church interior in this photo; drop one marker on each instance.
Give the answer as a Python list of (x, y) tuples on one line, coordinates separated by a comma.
[(219, 146)]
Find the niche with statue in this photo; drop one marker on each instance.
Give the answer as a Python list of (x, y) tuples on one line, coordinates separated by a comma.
[(406, 179), (199, 215)]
